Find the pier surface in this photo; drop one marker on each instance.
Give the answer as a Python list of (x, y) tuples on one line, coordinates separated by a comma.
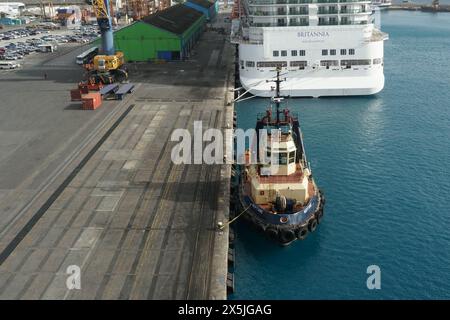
[(136, 225)]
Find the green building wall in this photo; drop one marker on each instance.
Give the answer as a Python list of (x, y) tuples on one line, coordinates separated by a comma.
[(141, 42), (196, 28), (191, 35)]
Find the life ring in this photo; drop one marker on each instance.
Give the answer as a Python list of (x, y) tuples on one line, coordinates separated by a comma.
[(287, 236), (312, 225), (272, 232), (302, 233), (284, 219)]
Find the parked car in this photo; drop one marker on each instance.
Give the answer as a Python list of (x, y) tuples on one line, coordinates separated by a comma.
[(9, 65), (10, 57)]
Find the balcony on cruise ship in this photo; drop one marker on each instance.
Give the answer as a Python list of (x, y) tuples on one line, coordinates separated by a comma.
[(280, 13)]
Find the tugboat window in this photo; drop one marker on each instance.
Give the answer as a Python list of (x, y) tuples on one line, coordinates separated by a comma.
[(283, 158), (292, 157)]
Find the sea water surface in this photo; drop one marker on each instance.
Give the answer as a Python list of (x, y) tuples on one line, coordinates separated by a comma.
[(383, 163)]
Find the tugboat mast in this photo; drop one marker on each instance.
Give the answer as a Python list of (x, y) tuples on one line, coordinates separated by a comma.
[(277, 99)]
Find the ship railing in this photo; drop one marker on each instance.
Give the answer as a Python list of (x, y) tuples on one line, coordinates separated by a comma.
[(350, 1), (349, 22), (237, 39), (298, 24), (267, 13), (300, 1), (261, 13), (328, 23), (299, 12), (353, 11), (264, 2), (330, 11), (268, 24)]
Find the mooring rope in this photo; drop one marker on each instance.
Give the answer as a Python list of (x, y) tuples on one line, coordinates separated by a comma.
[(234, 219)]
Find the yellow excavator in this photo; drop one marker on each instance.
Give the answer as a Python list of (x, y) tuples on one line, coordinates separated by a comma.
[(107, 67)]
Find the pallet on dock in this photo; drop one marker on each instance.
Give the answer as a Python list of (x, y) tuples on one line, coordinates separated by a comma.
[(123, 90), (108, 89)]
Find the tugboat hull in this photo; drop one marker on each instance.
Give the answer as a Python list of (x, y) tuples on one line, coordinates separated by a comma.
[(283, 228)]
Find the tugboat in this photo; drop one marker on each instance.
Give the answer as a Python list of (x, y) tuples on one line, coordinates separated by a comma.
[(282, 201)]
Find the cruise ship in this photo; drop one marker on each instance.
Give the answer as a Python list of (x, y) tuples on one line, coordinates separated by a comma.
[(324, 47)]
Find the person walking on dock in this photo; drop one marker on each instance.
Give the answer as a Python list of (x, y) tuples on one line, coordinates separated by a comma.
[(45, 76)]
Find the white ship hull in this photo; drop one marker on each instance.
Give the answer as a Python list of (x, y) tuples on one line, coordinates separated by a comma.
[(317, 60), (323, 84)]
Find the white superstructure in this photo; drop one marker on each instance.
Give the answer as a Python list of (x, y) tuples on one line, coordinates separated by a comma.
[(325, 47)]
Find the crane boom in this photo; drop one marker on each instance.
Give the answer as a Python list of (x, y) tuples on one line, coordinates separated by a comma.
[(102, 12)]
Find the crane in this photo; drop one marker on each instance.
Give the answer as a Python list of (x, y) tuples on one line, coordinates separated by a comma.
[(106, 68)]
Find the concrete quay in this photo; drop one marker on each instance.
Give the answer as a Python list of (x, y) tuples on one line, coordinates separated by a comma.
[(109, 200)]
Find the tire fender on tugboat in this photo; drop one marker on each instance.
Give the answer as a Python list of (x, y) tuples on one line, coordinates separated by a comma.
[(272, 233), (319, 215), (287, 235), (312, 225), (302, 233)]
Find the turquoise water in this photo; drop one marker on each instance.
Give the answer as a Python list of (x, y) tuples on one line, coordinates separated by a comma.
[(383, 163)]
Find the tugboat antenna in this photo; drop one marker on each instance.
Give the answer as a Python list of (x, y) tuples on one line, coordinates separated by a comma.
[(277, 99)]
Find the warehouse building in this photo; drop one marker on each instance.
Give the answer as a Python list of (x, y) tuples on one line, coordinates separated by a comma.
[(208, 8), (166, 35)]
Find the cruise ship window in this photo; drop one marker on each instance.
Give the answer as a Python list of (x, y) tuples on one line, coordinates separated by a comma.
[(333, 52), (283, 53), (250, 64), (276, 53), (343, 52), (351, 51), (300, 64), (294, 53), (324, 52), (302, 53)]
